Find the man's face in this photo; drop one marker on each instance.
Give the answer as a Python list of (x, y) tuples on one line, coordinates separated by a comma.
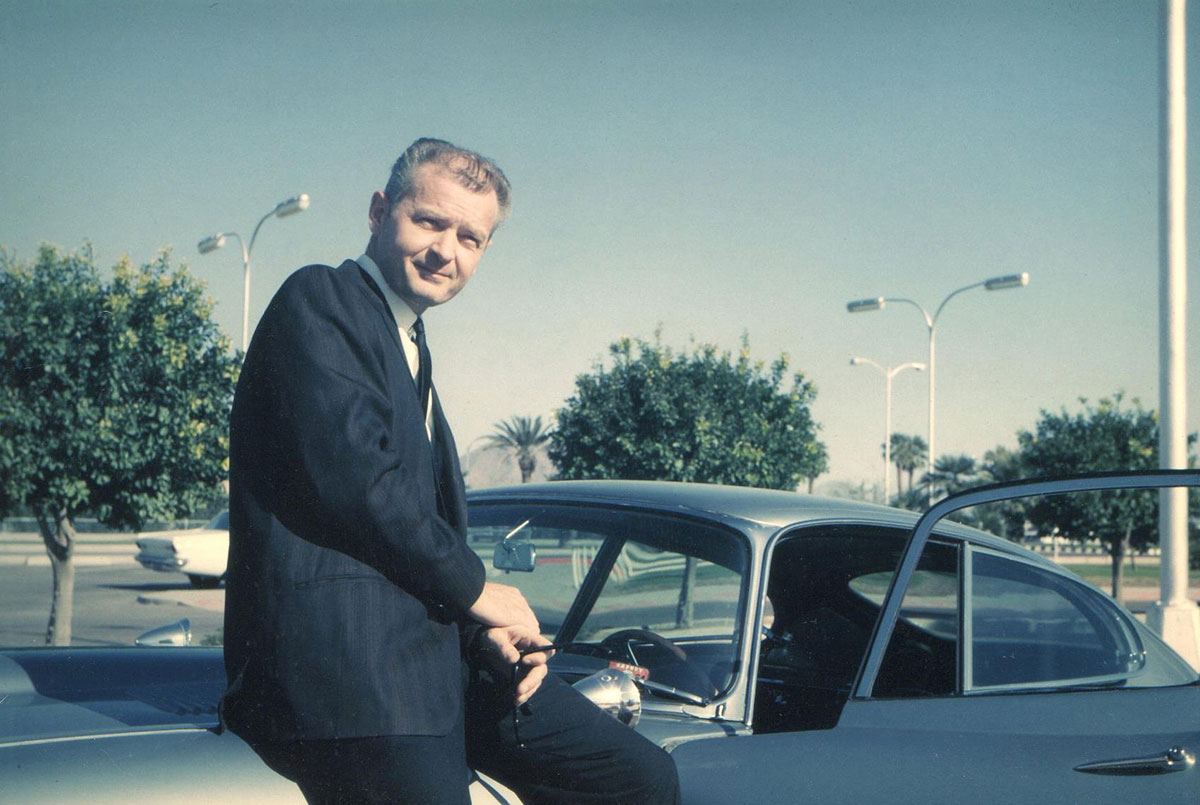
[(428, 244)]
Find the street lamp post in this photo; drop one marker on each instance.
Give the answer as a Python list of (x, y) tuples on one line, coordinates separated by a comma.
[(879, 302), (213, 242), (888, 373)]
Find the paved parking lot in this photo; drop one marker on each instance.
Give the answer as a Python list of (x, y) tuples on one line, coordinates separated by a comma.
[(115, 598)]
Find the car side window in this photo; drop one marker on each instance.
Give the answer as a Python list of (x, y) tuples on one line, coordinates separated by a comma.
[(824, 592), (922, 654), (1029, 627)]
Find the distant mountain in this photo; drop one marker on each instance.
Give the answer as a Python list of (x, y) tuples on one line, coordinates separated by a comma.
[(483, 468)]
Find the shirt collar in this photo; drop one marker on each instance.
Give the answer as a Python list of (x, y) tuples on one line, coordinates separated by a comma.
[(404, 315)]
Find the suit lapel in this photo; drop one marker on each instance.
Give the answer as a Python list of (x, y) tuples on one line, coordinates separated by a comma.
[(394, 330), (447, 474)]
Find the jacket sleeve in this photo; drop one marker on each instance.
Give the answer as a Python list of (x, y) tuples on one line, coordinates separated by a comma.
[(350, 467)]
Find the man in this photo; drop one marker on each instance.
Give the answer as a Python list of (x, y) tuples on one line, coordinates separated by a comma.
[(351, 594)]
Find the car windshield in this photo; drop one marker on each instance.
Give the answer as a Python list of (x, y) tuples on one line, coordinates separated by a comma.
[(660, 596)]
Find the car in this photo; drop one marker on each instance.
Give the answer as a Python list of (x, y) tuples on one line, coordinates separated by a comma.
[(781, 647), (201, 553)]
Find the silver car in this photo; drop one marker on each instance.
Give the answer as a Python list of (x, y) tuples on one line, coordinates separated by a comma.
[(782, 647)]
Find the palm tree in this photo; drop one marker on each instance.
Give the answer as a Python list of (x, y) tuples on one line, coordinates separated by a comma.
[(521, 435), (951, 473), (908, 453)]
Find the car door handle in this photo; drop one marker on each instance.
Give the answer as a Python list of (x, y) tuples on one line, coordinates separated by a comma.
[(1174, 759)]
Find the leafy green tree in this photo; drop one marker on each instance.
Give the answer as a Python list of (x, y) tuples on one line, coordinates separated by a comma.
[(1006, 518), (817, 465), (1100, 438), (114, 400), (699, 416), (521, 435)]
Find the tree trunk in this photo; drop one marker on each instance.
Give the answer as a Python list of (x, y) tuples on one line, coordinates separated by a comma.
[(811, 481), (899, 482), (1120, 550), (686, 607), (527, 465), (58, 533)]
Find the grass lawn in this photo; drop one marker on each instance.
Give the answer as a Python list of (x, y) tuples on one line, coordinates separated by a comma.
[(1144, 575)]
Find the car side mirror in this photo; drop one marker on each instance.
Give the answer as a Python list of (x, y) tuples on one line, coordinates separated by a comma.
[(515, 552)]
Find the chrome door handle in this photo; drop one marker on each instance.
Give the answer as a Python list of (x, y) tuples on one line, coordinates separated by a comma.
[(1174, 759)]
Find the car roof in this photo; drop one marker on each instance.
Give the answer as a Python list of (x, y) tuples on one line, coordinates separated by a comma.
[(737, 505), (764, 506)]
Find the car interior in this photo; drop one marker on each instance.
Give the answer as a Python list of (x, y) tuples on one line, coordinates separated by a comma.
[(824, 593)]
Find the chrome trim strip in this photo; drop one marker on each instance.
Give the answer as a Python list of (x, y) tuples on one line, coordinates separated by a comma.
[(132, 733), (967, 616)]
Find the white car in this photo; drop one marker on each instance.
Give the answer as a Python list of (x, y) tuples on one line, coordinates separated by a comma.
[(201, 553)]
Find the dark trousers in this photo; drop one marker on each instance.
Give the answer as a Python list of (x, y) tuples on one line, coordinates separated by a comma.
[(384, 769), (558, 747)]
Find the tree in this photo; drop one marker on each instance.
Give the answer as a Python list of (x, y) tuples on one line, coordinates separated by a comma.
[(698, 416), (521, 435), (956, 472), (908, 453), (1104, 437), (115, 398), (1005, 518), (951, 473), (817, 465)]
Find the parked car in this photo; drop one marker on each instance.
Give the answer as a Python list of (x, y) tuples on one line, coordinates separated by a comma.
[(201, 553), (782, 647)]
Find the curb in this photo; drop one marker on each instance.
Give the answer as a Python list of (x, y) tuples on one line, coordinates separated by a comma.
[(212, 600), (85, 560)]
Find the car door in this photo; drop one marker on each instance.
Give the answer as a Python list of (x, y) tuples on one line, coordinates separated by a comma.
[(1058, 695)]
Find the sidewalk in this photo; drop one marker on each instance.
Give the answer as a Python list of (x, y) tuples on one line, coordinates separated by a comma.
[(27, 549), (1139, 599)]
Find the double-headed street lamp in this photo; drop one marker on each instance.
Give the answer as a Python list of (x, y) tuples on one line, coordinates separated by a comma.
[(888, 373), (879, 302), (213, 242)]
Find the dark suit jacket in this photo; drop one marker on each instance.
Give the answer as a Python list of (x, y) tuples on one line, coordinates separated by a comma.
[(348, 561)]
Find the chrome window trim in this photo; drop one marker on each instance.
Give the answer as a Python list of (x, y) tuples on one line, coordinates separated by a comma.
[(966, 619)]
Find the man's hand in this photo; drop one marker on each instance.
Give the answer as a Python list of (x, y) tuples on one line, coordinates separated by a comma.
[(502, 605), (501, 646)]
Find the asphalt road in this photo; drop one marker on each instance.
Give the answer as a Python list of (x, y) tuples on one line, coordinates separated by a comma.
[(113, 604)]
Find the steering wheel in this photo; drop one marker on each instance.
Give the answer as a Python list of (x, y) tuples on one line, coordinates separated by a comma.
[(625, 635)]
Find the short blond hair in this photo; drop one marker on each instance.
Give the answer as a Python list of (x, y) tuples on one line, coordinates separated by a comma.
[(473, 171)]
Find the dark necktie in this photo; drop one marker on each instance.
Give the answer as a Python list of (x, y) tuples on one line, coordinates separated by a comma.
[(424, 383), (425, 369)]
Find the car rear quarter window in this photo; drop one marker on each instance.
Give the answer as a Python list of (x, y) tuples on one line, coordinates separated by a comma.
[(1031, 627)]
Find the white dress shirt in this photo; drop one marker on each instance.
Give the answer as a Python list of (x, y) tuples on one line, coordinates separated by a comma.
[(405, 318)]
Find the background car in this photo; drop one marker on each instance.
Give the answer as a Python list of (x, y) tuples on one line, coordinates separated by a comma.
[(201, 553), (782, 647)]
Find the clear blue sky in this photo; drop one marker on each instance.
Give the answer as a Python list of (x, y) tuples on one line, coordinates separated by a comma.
[(713, 168)]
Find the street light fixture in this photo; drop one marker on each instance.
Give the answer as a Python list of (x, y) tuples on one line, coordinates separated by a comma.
[(888, 373), (1007, 281), (284, 208), (879, 302), (862, 305)]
